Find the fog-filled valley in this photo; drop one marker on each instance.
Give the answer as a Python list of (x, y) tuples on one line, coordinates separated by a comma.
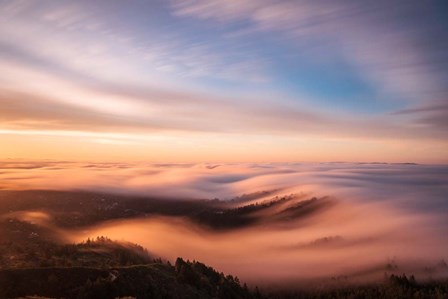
[(279, 226), (222, 149)]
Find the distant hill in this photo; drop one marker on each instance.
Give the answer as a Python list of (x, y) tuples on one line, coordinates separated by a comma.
[(81, 209)]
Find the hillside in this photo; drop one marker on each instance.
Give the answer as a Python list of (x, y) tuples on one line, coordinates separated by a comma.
[(185, 280), (103, 268)]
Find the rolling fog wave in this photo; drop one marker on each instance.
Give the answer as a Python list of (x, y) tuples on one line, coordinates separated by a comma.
[(383, 217)]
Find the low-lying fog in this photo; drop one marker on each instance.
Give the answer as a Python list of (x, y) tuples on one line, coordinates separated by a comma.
[(374, 215)]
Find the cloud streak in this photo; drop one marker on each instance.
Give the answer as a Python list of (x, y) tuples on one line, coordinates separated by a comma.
[(374, 34), (261, 70)]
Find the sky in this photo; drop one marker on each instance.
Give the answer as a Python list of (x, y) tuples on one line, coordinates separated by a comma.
[(227, 81)]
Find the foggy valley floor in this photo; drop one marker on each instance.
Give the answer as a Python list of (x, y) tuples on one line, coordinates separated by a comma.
[(298, 231)]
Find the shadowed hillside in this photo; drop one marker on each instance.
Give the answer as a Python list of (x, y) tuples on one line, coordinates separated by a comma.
[(106, 269), (101, 252), (79, 209)]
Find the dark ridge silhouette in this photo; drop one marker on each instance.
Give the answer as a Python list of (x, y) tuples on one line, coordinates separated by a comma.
[(102, 268), (99, 252), (145, 281), (304, 208), (82, 209), (254, 195)]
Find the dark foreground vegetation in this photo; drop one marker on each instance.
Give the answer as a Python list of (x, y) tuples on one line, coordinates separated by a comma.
[(102, 268), (184, 280), (393, 287)]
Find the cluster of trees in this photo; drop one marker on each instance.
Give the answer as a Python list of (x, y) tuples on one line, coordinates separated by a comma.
[(213, 283), (100, 252), (102, 268), (394, 287), (262, 205), (157, 280), (223, 217)]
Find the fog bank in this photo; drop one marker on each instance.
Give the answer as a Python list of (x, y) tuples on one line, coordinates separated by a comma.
[(381, 217)]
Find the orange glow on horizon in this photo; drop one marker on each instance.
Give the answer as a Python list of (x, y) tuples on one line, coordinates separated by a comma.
[(184, 147)]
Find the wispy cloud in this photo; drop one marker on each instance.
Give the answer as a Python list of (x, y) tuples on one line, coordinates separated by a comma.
[(93, 40), (397, 47), (250, 68)]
